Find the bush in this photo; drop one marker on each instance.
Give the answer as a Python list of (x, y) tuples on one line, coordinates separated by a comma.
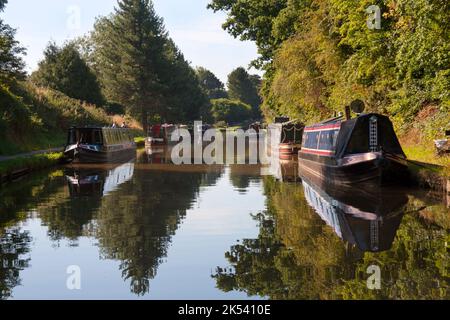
[(33, 118), (230, 111)]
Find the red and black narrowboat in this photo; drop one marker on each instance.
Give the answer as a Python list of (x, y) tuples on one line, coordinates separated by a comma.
[(360, 150), (99, 145), (160, 135)]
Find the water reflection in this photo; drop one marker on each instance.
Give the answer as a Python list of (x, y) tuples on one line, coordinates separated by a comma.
[(98, 181), (368, 219), (316, 242), (135, 226), (14, 247), (304, 241)]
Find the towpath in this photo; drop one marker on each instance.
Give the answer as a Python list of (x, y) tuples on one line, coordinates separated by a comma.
[(28, 154)]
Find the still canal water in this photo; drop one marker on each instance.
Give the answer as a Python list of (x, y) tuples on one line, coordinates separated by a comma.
[(151, 230)]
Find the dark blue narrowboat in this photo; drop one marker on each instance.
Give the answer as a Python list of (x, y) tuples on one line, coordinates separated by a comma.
[(360, 150)]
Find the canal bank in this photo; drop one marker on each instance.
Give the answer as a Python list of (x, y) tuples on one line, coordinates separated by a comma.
[(14, 167), (423, 175), (17, 166), (429, 176)]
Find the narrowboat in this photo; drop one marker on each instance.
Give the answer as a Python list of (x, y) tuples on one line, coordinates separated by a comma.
[(360, 150), (99, 145), (284, 137), (160, 135)]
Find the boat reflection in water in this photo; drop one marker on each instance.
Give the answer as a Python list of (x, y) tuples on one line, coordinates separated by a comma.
[(98, 182), (282, 170), (159, 154), (368, 219)]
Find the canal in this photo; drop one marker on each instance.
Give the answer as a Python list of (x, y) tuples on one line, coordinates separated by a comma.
[(148, 229)]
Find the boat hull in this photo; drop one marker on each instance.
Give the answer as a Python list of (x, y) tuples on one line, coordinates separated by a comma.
[(151, 142), (83, 155), (370, 168)]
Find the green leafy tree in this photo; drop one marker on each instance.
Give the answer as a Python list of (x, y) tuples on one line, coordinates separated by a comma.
[(244, 87), (268, 23), (129, 52), (11, 62), (230, 111), (213, 87), (184, 99), (141, 68), (63, 69), (321, 55)]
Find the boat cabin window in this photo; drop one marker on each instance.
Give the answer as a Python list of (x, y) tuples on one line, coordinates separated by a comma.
[(328, 140), (90, 137), (98, 137), (117, 136), (321, 140), (311, 140), (85, 136)]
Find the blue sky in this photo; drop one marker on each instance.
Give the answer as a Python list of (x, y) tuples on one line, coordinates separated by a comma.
[(196, 30)]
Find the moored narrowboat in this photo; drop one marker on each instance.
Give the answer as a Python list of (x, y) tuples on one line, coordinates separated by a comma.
[(160, 135), (99, 145), (360, 150), (284, 137)]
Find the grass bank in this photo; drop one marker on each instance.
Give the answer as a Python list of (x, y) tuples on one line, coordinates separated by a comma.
[(140, 141), (427, 169), (14, 168), (35, 118)]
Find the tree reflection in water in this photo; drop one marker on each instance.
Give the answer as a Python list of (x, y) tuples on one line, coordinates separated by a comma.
[(299, 254), (14, 245), (135, 226)]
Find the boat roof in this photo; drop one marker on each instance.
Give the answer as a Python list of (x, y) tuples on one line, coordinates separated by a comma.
[(291, 122), (97, 128), (335, 123)]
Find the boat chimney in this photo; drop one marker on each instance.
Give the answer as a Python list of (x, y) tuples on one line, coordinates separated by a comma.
[(348, 113)]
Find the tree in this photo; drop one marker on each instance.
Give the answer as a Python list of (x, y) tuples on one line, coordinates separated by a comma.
[(183, 96), (230, 111), (267, 23), (64, 70), (213, 87), (140, 67), (321, 55), (11, 62), (243, 87), (129, 55)]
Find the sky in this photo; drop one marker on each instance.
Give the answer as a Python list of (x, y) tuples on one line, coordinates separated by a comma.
[(196, 30)]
